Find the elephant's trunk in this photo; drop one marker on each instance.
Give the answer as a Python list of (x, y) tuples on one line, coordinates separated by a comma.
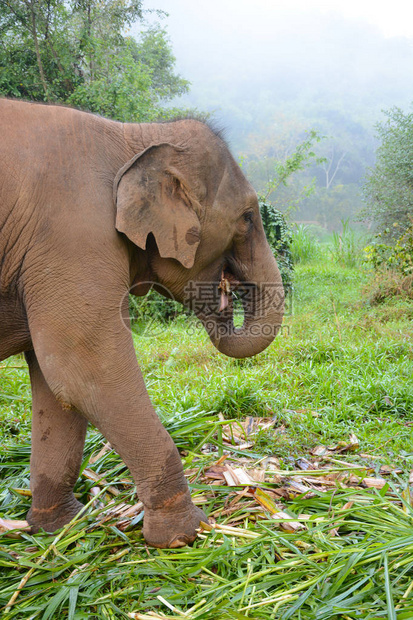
[(263, 304)]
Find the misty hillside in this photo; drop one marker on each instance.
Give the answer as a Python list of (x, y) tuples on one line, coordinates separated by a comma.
[(268, 81)]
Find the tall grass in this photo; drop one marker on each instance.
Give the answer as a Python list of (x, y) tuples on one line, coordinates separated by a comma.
[(347, 246), (344, 248), (304, 246)]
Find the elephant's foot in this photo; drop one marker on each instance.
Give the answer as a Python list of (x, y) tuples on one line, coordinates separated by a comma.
[(174, 524), (53, 518)]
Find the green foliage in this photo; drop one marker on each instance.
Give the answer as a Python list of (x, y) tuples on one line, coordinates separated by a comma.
[(304, 245), (396, 257), (278, 234), (77, 52), (389, 188), (154, 52), (122, 91)]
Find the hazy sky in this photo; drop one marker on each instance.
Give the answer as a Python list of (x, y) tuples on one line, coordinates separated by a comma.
[(209, 35), (392, 17)]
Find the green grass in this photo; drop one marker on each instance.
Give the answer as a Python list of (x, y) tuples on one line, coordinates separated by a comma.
[(341, 366)]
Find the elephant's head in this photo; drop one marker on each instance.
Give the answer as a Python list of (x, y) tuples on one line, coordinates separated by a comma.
[(186, 203)]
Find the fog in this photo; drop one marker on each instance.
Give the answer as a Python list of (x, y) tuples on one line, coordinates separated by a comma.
[(264, 70)]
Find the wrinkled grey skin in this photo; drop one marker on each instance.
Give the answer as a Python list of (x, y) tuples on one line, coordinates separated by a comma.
[(89, 207)]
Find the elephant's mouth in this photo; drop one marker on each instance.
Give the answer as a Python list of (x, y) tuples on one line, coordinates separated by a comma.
[(213, 297), (227, 286), (241, 315)]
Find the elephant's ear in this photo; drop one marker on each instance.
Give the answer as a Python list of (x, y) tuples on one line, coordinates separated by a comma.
[(152, 196)]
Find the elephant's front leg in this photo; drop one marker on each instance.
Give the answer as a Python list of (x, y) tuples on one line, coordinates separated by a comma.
[(58, 437), (98, 375)]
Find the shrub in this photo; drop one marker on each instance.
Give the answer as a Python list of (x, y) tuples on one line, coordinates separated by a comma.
[(398, 257), (279, 237), (389, 284), (393, 267), (388, 188)]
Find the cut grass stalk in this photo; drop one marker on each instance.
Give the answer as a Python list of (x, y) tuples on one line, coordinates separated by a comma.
[(52, 547)]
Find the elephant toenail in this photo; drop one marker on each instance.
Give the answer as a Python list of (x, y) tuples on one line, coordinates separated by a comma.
[(179, 541)]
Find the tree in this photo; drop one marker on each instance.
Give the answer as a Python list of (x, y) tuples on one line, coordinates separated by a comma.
[(76, 52), (280, 160), (388, 191)]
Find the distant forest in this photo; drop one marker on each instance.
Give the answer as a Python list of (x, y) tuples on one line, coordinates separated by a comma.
[(322, 72)]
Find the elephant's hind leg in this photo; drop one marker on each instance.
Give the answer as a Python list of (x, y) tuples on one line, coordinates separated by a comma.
[(58, 437)]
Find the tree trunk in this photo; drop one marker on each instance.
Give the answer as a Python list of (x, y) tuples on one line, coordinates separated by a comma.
[(37, 49)]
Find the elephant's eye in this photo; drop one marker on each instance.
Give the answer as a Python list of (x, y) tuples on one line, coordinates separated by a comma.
[(248, 216)]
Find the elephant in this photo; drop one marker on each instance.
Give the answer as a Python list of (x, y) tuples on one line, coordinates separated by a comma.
[(91, 208)]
